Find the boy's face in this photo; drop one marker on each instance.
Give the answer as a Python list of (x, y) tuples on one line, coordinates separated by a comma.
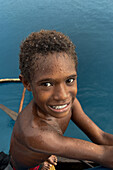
[(54, 85)]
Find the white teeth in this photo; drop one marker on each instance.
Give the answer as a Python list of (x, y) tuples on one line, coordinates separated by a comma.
[(59, 107)]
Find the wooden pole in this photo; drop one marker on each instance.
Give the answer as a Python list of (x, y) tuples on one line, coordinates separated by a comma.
[(22, 100), (9, 80)]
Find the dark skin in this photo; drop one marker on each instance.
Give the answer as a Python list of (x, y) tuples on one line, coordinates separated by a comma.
[(38, 131)]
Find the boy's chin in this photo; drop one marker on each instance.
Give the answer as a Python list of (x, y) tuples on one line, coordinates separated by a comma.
[(59, 114)]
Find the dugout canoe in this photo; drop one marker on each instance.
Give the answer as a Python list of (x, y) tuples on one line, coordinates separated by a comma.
[(63, 163)]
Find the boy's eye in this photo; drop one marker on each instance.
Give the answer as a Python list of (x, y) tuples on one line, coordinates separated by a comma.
[(69, 81), (47, 84)]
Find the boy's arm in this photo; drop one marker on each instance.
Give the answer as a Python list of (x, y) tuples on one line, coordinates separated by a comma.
[(89, 127), (51, 143)]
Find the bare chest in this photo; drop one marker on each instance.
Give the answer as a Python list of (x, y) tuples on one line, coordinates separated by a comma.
[(60, 125)]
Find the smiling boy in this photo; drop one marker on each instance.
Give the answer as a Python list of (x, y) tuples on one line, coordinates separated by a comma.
[(48, 64)]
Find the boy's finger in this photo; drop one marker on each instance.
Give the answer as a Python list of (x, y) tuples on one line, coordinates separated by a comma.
[(46, 166), (52, 159)]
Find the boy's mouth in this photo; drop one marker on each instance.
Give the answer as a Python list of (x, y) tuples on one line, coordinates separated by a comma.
[(60, 108)]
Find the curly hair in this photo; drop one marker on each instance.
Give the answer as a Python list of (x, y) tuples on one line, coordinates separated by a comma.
[(43, 43)]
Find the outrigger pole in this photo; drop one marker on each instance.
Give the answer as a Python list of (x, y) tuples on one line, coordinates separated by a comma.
[(9, 80)]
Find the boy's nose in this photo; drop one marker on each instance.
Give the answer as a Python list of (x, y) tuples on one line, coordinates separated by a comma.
[(60, 92)]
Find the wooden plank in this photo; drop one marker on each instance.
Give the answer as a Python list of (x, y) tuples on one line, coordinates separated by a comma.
[(10, 112)]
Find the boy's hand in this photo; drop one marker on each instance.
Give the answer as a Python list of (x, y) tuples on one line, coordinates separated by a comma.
[(52, 160), (47, 165)]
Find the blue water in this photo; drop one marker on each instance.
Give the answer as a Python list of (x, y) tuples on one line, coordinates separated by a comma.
[(90, 26)]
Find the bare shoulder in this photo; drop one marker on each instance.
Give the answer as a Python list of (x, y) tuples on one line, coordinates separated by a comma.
[(78, 115), (76, 108), (36, 133), (44, 139)]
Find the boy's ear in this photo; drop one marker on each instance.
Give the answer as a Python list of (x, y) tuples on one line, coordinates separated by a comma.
[(25, 83)]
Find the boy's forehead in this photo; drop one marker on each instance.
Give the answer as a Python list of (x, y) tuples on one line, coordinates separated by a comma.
[(54, 60), (55, 63)]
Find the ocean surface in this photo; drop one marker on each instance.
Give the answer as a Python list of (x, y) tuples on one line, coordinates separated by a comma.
[(89, 24)]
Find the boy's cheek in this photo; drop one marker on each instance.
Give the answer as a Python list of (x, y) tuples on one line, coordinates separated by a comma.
[(74, 92), (40, 96), (74, 89)]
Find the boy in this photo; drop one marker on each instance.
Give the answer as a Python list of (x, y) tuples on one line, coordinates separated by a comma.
[(48, 64)]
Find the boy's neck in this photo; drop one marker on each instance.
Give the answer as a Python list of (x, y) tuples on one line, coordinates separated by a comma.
[(39, 113)]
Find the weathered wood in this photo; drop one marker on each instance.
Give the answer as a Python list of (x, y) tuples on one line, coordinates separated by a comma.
[(10, 112)]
